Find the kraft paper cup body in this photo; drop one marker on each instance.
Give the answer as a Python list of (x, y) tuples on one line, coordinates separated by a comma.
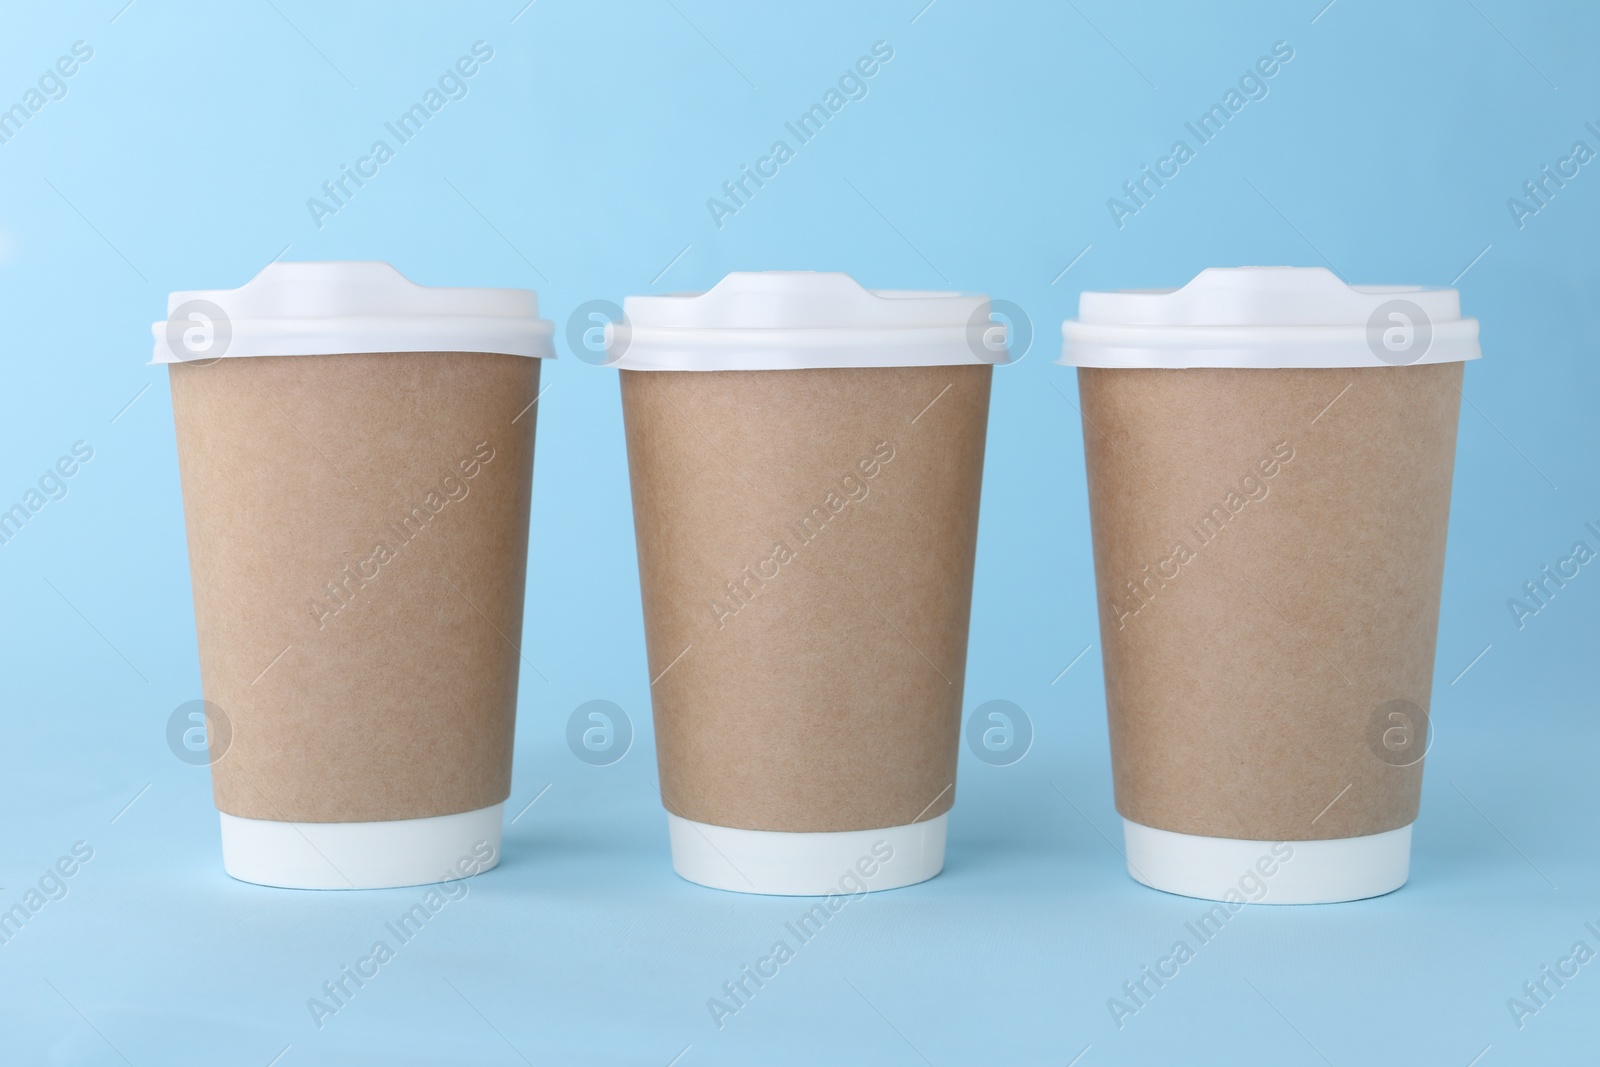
[(1269, 461), (357, 515), (805, 487)]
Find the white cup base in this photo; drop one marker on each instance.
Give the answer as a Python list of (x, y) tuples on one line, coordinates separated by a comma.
[(361, 855), (1315, 872), (780, 863)]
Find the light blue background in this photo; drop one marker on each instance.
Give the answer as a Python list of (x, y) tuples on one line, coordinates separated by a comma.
[(181, 157)]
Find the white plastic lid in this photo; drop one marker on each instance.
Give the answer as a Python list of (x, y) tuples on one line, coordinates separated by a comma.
[(787, 320), (310, 309), (1269, 317)]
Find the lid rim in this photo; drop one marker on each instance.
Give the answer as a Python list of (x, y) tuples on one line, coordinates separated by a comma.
[(784, 320), (340, 307), (1269, 317)]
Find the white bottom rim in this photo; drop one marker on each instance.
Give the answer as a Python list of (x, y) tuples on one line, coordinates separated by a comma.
[(780, 863), (361, 855), (1268, 872)]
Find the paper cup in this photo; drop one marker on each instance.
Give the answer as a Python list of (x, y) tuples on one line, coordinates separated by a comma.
[(1269, 462), (356, 454), (806, 459)]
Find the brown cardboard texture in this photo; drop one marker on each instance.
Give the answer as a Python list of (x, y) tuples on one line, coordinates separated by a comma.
[(358, 531), (1269, 547), (806, 542)]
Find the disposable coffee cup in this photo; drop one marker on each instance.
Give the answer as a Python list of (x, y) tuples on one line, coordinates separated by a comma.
[(806, 459), (1269, 458), (356, 455)]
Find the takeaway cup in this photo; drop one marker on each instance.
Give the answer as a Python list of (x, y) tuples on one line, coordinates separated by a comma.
[(356, 456), (806, 457), (1269, 458)]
